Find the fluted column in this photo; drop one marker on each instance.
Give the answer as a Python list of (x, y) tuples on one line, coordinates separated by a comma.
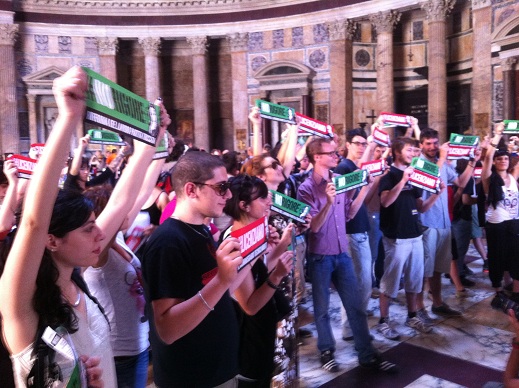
[(199, 46), (151, 48), (481, 65), (240, 102), (107, 50), (508, 69), (341, 72), (384, 23), (9, 132), (33, 130), (436, 12)]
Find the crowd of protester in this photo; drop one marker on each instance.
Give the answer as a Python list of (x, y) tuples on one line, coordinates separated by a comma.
[(133, 262)]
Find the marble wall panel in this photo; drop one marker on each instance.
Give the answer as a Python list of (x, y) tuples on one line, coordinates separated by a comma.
[(182, 74), (460, 48), (293, 55), (256, 61), (321, 95), (91, 63), (297, 34), (363, 57), (41, 43), (503, 12), (401, 56), (364, 101), (278, 39), (267, 40), (318, 58), (62, 62), (365, 28)]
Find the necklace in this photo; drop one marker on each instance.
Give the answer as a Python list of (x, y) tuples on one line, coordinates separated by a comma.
[(190, 227), (78, 299)]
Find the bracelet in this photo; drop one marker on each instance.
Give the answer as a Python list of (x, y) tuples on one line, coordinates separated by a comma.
[(493, 145), (203, 300), (271, 285)]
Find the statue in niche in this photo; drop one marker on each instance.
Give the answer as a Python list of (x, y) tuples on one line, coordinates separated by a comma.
[(49, 118)]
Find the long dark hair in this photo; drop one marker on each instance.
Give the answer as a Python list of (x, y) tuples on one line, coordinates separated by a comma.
[(495, 187), (244, 188), (71, 210)]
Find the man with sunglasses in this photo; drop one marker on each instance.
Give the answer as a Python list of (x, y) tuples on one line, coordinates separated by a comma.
[(193, 326), (328, 260)]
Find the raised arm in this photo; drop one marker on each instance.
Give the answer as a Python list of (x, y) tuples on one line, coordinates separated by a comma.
[(257, 141), (287, 153), (8, 210), (75, 165), (18, 282), (486, 171)]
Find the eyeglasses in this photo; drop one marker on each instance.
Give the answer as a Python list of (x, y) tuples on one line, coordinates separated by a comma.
[(360, 143), (275, 164), (219, 188), (329, 153)]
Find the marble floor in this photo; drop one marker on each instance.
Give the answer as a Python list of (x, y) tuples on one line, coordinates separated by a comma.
[(482, 335)]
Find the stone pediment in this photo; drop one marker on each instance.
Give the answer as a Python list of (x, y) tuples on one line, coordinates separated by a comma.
[(43, 79)]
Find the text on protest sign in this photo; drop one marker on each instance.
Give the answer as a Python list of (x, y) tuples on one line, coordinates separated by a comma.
[(381, 137), (161, 152), (276, 112), (115, 108), (374, 167), (395, 119), (511, 127), (426, 175), (103, 136), (288, 206), (24, 165), (462, 147), (477, 172), (308, 126), (253, 240), (350, 181), (36, 150)]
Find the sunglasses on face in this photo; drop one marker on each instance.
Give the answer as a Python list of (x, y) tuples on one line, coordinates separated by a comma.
[(275, 164), (219, 188)]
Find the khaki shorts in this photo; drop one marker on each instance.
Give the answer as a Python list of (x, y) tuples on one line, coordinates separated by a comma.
[(437, 246)]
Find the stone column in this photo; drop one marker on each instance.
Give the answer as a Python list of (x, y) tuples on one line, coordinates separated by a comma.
[(341, 72), (199, 46), (240, 101), (151, 48), (107, 49), (481, 65), (384, 23), (33, 130), (9, 132), (436, 12), (508, 69)]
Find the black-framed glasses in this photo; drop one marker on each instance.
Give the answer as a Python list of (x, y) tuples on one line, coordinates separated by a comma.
[(360, 143), (219, 188), (329, 153), (275, 164)]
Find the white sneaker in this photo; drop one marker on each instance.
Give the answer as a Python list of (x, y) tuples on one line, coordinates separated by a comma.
[(424, 316), (417, 324), (387, 331)]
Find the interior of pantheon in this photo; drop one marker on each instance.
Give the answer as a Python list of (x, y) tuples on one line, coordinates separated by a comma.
[(449, 63)]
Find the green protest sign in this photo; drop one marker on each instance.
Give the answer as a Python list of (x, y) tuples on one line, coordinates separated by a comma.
[(288, 206), (276, 112), (115, 108), (426, 175), (161, 151), (103, 136), (511, 127), (350, 181)]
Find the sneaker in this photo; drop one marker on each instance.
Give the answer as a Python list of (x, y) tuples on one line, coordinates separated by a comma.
[(485, 266), (328, 362), (417, 324), (467, 282), (424, 316), (387, 331), (446, 311), (376, 363), (465, 293)]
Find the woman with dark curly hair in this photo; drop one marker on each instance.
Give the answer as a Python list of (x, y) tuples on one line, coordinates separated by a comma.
[(41, 289)]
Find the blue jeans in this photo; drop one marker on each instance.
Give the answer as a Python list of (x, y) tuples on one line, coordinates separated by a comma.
[(132, 372), (338, 269)]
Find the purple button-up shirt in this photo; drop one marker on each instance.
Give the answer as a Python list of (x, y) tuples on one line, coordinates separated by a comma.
[(331, 238)]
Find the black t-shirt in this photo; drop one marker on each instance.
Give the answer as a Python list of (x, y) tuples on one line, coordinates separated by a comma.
[(71, 182), (401, 218), (177, 263), (461, 211), (359, 223)]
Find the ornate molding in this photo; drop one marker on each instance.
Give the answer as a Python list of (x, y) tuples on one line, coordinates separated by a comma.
[(199, 44), (437, 10), (107, 45), (8, 34), (238, 41), (150, 46), (342, 29), (508, 64), (478, 4), (385, 21)]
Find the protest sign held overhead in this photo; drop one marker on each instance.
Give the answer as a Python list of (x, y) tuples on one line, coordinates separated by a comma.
[(115, 108), (276, 112), (103, 136), (374, 167), (253, 240), (308, 126), (462, 147), (381, 137), (426, 175), (395, 119), (511, 127), (161, 152)]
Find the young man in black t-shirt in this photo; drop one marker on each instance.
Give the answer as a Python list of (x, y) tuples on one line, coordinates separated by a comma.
[(193, 327), (399, 222)]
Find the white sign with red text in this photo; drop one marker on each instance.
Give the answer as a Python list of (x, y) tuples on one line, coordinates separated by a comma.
[(253, 240)]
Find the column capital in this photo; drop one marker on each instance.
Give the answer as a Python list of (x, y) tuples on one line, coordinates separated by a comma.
[(199, 44), (437, 10), (150, 46), (342, 29), (478, 4), (8, 34), (107, 45), (508, 64), (238, 41), (385, 21)]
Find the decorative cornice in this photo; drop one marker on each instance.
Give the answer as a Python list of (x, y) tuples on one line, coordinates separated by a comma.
[(107, 45), (8, 33), (238, 41), (508, 64), (385, 21), (199, 44), (342, 29), (478, 4), (150, 46), (437, 10)]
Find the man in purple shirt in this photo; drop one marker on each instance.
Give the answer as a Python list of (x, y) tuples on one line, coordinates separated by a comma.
[(327, 258)]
